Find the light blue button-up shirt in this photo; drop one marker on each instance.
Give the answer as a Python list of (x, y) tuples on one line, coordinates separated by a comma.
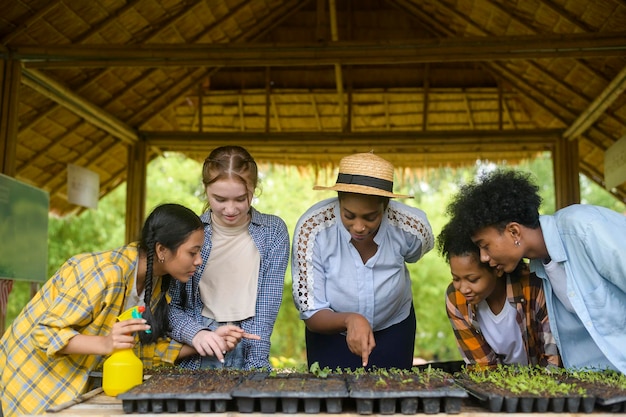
[(590, 243), (328, 272)]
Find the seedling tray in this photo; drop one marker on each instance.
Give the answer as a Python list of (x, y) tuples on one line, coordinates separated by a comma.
[(201, 391), (409, 395), (294, 392), (611, 398), (497, 400)]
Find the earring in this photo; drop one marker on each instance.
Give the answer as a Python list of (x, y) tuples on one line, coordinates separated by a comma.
[(516, 243), (161, 260)]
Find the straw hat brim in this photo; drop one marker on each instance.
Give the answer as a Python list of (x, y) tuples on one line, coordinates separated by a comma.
[(361, 189)]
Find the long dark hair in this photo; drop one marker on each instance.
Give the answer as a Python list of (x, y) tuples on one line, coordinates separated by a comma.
[(170, 225)]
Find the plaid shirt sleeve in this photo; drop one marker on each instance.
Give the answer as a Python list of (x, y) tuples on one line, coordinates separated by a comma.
[(165, 351), (84, 297), (472, 345), (541, 344), (272, 240)]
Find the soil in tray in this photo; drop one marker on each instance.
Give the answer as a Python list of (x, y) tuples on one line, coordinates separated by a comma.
[(307, 384), (430, 391), (294, 392), (498, 399), (608, 387), (386, 381), (189, 383), (189, 391)]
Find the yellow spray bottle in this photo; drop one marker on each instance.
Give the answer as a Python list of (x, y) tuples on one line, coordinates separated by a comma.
[(123, 369)]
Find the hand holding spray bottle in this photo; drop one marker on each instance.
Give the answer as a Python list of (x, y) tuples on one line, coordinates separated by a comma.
[(123, 369)]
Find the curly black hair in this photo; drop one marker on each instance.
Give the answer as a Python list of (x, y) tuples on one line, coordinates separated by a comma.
[(496, 199), (454, 240)]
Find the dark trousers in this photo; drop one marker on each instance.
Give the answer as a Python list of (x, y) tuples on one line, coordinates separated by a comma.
[(394, 348)]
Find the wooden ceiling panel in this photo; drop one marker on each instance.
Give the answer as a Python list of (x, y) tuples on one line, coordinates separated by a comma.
[(70, 112)]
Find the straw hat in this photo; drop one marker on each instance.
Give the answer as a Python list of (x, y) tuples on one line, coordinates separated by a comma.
[(365, 173)]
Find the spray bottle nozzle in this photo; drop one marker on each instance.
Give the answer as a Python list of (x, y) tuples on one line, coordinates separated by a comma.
[(133, 313)]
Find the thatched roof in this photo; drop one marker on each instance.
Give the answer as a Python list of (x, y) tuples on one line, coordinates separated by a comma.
[(421, 82)]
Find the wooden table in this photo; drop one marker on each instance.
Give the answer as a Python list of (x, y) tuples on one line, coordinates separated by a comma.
[(102, 405)]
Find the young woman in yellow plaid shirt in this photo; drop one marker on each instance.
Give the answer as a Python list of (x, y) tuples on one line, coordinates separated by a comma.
[(70, 326)]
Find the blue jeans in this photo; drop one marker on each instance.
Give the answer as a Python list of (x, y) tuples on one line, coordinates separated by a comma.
[(233, 359)]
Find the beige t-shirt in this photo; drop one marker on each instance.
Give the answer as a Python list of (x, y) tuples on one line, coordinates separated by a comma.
[(228, 286)]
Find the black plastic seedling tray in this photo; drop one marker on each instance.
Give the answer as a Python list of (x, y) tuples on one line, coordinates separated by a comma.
[(294, 392), (374, 393), (610, 398), (192, 392), (496, 401)]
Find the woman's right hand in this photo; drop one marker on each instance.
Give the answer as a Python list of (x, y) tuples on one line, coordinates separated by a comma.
[(121, 337), (359, 336), (232, 335), (122, 334), (209, 343)]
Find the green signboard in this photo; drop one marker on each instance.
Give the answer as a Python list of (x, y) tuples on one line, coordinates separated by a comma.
[(23, 231)]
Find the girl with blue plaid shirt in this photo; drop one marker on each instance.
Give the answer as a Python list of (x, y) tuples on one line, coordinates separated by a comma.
[(241, 278)]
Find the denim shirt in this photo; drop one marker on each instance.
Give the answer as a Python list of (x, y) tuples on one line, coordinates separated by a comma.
[(590, 242)]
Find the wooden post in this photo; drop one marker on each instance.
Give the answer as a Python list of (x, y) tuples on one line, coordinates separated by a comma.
[(10, 73), (136, 189), (9, 88), (566, 181)]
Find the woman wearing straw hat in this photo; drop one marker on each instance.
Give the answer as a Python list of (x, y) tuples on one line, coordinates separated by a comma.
[(350, 281)]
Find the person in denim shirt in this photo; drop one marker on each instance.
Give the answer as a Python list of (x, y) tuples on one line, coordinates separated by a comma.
[(240, 281), (578, 252)]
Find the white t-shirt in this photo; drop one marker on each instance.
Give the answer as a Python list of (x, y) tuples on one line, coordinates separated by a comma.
[(502, 333), (135, 299), (558, 279)]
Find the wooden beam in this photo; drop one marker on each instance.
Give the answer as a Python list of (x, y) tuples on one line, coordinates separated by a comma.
[(268, 103), (9, 92), (316, 113), (400, 159), (566, 166), (441, 30), (426, 87), (466, 49), (334, 143), (62, 95), (468, 110), (10, 71), (334, 33), (597, 107), (136, 189)]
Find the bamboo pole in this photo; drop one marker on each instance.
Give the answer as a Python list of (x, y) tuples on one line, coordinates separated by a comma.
[(467, 49), (57, 92)]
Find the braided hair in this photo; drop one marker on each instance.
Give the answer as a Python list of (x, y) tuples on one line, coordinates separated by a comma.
[(230, 161), (170, 225)]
